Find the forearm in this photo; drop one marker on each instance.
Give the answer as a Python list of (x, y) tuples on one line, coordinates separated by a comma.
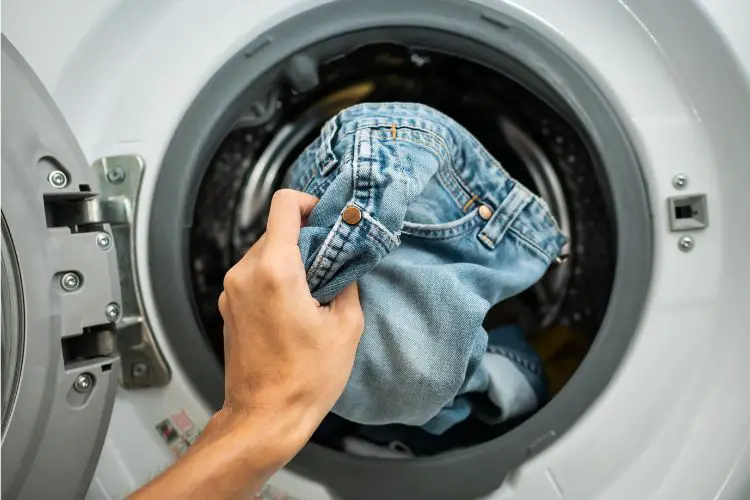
[(233, 458)]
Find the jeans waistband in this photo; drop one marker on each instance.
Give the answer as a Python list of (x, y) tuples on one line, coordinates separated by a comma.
[(470, 173)]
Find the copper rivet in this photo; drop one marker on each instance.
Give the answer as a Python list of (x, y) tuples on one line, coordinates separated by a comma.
[(485, 212), (352, 215)]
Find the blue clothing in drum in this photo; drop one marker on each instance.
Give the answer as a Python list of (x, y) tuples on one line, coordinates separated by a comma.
[(436, 232)]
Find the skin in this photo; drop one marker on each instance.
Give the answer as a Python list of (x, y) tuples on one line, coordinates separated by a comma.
[(288, 359)]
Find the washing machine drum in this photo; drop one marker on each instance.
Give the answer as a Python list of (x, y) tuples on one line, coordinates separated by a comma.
[(532, 108), (533, 141), (60, 294)]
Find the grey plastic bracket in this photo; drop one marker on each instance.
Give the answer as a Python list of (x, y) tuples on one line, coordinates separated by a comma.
[(109, 215), (84, 307), (143, 364)]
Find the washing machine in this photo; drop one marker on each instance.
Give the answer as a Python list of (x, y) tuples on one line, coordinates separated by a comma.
[(141, 142)]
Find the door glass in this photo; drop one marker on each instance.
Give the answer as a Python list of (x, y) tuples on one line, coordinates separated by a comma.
[(12, 324)]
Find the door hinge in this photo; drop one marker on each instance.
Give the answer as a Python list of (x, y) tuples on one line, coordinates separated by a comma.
[(111, 215)]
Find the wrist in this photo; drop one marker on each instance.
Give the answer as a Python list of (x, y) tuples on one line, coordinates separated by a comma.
[(269, 439)]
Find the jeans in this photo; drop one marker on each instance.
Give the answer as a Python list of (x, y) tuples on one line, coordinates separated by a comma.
[(435, 232)]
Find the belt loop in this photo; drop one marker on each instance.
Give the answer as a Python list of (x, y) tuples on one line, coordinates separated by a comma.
[(364, 165), (504, 216), (325, 158)]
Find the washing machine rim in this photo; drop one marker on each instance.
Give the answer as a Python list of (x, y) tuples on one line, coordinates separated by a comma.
[(209, 116)]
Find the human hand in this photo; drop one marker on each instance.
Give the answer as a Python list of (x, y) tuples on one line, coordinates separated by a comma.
[(285, 354), (287, 361)]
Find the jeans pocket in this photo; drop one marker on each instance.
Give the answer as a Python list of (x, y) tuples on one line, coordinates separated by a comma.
[(444, 230)]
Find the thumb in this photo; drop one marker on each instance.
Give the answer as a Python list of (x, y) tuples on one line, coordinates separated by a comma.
[(347, 308)]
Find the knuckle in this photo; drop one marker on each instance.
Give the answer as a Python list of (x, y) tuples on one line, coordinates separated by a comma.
[(232, 280), (284, 195), (223, 303), (268, 277), (266, 269), (275, 271)]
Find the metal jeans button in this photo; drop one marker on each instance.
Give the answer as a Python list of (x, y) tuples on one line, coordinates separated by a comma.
[(352, 215), (485, 212)]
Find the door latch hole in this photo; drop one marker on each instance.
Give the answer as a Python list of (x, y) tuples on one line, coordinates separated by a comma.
[(688, 212), (91, 344)]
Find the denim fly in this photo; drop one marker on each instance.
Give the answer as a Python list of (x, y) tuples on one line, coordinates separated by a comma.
[(435, 232)]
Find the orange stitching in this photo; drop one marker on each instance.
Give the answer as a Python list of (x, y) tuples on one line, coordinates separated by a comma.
[(470, 202), (393, 130)]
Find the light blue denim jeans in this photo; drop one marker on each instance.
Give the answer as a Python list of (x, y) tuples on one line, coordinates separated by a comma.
[(438, 234)]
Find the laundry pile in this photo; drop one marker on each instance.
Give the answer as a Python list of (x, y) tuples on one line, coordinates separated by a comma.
[(435, 232)]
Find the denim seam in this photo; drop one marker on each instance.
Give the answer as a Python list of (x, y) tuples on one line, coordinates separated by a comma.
[(443, 153), (428, 125), (524, 230), (449, 183), (392, 237), (445, 234), (309, 183), (340, 234), (386, 128), (325, 169), (440, 226), (329, 129), (445, 158), (533, 366), (337, 251), (530, 243), (377, 236), (449, 171), (447, 161), (318, 269), (441, 237), (454, 173), (426, 144), (362, 185)]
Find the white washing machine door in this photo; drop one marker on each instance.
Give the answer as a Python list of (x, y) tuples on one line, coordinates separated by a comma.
[(60, 297)]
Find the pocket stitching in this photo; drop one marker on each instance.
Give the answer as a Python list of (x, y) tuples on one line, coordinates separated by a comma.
[(472, 221), (533, 246)]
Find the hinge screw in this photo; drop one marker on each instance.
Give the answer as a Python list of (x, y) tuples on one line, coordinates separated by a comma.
[(686, 243), (104, 241), (70, 281), (112, 311), (116, 175), (58, 179), (680, 181), (83, 383)]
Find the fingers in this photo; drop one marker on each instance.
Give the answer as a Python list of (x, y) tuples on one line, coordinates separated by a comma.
[(288, 211), (348, 308)]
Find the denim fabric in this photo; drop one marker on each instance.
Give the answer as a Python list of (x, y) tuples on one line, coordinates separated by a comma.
[(510, 375), (429, 260)]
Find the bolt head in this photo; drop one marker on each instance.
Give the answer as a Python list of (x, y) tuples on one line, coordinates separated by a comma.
[(83, 383), (70, 282), (139, 369), (680, 181), (112, 311), (116, 175), (686, 243), (104, 241), (58, 179)]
